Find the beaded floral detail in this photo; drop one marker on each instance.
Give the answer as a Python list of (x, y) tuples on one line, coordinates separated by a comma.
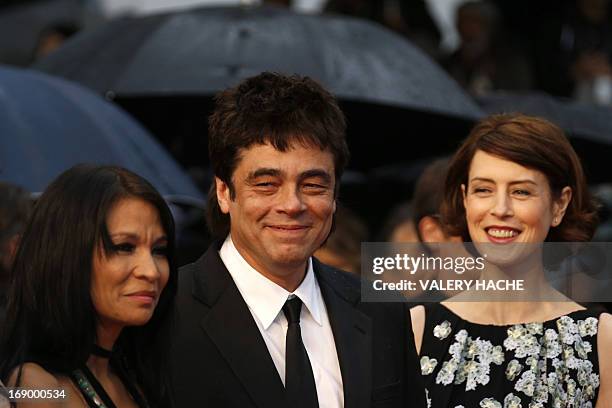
[(427, 398), (513, 369), (428, 365), (548, 367), (470, 361), (490, 403), (512, 401), (587, 327), (442, 330)]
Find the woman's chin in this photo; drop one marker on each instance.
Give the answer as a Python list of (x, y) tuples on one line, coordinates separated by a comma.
[(508, 254)]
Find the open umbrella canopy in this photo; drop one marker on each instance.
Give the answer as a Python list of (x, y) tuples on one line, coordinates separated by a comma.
[(48, 125), (201, 51), (588, 126), (577, 119)]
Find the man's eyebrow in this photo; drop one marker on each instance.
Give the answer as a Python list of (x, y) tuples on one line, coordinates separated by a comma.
[(323, 174), (262, 172)]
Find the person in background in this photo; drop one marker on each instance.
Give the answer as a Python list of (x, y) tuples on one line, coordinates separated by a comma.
[(15, 208), (399, 225), (91, 302), (427, 200), (433, 235), (418, 221), (573, 52), (342, 250), (515, 183), (486, 60), (53, 36), (410, 18)]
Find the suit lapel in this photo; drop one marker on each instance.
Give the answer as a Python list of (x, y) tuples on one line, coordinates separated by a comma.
[(231, 327), (352, 334)]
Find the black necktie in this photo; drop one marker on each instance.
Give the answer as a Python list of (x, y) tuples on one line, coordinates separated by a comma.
[(299, 380)]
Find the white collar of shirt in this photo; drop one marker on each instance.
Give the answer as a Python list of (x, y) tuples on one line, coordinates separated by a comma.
[(264, 297)]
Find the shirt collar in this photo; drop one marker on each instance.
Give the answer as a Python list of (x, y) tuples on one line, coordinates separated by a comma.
[(265, 298)]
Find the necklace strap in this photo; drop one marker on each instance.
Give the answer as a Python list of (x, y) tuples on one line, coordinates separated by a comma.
[(101, 352)]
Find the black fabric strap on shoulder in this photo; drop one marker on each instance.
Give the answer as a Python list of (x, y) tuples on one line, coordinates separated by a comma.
[(131, 388), (97, 388)]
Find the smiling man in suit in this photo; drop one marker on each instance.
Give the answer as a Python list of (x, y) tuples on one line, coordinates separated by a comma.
[(261, 322)]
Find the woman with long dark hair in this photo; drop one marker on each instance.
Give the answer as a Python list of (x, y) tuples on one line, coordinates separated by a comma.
[(91, 301)]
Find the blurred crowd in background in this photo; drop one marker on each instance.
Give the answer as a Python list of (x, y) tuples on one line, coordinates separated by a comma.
[(561, 48)]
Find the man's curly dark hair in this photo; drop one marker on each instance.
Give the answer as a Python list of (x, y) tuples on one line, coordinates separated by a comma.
[(274, 109)]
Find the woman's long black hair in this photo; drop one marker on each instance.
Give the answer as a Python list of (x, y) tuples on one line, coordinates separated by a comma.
[(51, 319)]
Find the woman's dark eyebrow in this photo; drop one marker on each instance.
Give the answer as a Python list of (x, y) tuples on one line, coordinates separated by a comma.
[(523, 182), (124, 235), (512, 182), (162, 239), (133, 236), (481, 179)]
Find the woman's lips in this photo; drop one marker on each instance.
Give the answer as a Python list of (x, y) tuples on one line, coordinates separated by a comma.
[(501, 234), (147, 297)]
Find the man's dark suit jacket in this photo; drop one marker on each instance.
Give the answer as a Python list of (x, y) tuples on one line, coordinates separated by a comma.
[(220, 360)]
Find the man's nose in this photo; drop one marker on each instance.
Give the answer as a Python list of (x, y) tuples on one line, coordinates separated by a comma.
[(291, 201)]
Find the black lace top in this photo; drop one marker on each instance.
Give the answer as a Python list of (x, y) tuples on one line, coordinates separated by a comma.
[(549, 364)]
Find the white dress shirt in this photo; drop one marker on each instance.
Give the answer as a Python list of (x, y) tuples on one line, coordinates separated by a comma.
[(265, 300)]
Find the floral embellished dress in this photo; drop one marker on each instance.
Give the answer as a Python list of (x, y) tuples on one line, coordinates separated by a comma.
[(549, 364)]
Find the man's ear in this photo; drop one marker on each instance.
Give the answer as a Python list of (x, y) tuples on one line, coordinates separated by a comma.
[(223, 195), (430, 230), (560, 206)]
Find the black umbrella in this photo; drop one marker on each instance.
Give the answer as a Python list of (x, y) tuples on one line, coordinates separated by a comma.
[(164, 68), (49, 124), (201, 51), (22, 23), (588, 126)]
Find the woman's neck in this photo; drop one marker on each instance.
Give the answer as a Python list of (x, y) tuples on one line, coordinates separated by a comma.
[(106, 336), (528, 271)]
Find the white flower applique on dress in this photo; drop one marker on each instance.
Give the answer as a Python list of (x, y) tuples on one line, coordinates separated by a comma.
[(546, 365), (470, 361)]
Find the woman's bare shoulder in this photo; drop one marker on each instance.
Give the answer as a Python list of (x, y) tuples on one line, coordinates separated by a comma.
[(32, 376), (604, 348), (604, 336)]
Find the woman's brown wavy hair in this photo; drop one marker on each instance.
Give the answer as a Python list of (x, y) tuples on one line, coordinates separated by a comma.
[(534, 143)]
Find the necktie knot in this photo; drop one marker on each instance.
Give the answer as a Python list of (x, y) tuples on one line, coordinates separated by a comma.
[(292, 309)]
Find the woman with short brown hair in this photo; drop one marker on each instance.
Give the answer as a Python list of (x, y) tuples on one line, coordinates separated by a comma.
[(516, 182)]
